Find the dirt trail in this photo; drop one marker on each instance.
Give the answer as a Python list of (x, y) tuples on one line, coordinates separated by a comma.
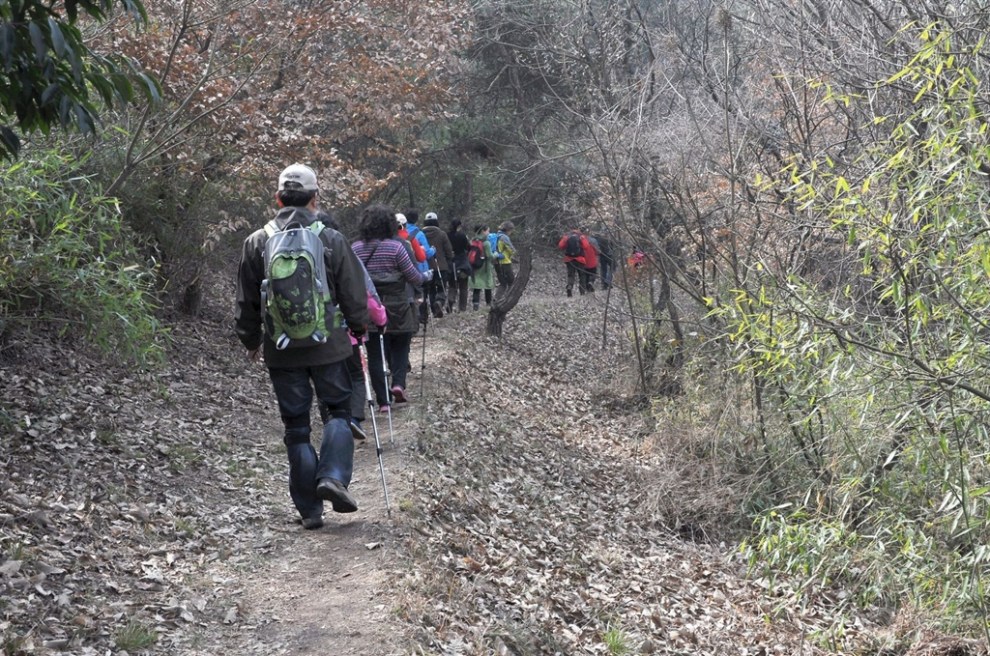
[(327, 591), (536, 509)]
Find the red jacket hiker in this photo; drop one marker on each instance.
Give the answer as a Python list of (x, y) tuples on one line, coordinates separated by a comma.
[(580, 259)]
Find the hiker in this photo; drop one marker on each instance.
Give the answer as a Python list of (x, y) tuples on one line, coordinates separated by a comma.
[(459, 244), (606, 258), (417, 252), (482, 278), (416, 234), (300, 365), (441, 265), (418, 255), (590, 260), (355, 370), (411, 217), (391, 269), (573, 245), (503, 254)]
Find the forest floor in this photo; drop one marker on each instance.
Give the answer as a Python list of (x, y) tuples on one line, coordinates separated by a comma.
[(537, 507)]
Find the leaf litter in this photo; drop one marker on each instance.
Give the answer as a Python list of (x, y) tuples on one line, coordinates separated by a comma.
[(139, 504)]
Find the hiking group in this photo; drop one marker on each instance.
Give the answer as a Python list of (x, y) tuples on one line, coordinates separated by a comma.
[(315, 308), (585, 256)]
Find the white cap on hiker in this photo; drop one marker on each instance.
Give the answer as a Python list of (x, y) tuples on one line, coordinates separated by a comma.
[(401, 218), (297, 177)]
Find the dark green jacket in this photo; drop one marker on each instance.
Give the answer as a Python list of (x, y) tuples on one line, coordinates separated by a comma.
[(346, 281)]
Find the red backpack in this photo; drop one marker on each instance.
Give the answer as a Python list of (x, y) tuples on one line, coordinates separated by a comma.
[(476, 254)]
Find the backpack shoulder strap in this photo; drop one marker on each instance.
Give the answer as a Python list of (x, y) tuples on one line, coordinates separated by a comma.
[(271, 228), (316, 227)]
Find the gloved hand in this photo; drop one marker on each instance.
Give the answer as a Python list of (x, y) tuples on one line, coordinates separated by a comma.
[(357, 332), (429, 274)]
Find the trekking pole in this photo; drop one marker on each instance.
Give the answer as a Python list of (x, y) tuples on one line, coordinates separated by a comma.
[(374, 422), (443, 285), (387, 372), (422, 367)]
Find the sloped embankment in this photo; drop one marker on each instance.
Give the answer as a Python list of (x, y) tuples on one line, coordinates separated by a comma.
[(532, 530)]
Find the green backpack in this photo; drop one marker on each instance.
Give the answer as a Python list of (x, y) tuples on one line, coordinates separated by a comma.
[(295, 294)]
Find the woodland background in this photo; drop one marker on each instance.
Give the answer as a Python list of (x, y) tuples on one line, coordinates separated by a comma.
[(809, 180)]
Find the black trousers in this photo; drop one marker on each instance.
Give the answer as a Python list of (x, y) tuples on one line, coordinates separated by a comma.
[(476, 297), (396, 354), (504, 274)]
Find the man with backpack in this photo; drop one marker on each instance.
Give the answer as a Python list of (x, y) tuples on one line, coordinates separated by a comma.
[(573, 245), (460, 245), (298, 284), (503, 253), (415, 233), (441, 263)]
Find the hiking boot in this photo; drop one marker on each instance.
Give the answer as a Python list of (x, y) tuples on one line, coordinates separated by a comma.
[(357, 432), (569, 292), (398, 394), (437, 309), (332, 490), (311, 523), (475, 307), (384, 408)]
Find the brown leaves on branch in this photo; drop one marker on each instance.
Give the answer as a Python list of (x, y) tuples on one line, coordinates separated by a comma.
[(340, 85)]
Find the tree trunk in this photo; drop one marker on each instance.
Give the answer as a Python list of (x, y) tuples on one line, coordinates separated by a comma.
[(506, 298)]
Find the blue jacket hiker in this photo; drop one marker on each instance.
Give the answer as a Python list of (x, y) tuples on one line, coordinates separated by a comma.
[(415, 232), (302, 364)]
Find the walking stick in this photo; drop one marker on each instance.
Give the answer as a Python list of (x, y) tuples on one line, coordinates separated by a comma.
[(443, 285), (374, 423), (387, 372), (422, 366)]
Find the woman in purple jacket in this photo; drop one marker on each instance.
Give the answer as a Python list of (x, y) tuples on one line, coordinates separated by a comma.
[(390, 268)]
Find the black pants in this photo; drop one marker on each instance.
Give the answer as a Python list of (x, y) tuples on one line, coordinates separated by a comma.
[(396, 354), (462, 292), (435, 290), (504, 274), (476, 297), (356, 372), (606, 269), (294, 390), (589, 278), (584, 280)]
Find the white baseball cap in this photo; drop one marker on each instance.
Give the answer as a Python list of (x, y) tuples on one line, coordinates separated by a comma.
[(297, 177), (401, 218)]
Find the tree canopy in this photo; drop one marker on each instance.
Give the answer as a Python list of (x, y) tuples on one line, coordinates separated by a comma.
[(49, 76)]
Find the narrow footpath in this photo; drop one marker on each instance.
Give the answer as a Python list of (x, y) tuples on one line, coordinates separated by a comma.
[(536, 508)]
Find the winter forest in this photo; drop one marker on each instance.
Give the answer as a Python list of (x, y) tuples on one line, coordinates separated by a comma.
[(781, 405)]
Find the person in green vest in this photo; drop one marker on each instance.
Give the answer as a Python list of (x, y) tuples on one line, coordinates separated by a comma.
[(484, 277)]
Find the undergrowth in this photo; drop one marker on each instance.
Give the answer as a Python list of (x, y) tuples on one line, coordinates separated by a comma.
[(66, 261)]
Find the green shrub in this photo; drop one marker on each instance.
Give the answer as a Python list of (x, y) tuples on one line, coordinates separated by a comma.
[(67, 261), (871, 392)]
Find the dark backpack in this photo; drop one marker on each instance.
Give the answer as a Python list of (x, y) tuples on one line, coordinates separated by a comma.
[(476, 254), (573, 246), (295, 294)]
